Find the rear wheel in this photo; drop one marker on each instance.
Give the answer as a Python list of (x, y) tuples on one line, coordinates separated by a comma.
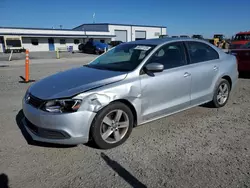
[(112, 125), (221, 94)]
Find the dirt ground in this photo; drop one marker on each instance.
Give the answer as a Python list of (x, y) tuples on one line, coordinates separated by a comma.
[(200, 147)]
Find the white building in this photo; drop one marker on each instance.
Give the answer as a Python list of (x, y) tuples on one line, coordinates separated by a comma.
[(125, 32), (39, 39)]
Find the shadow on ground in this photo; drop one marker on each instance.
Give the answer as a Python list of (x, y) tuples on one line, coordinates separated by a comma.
[(4, 181), (207, 105), (123, 173), (244, 75), (29, 140)]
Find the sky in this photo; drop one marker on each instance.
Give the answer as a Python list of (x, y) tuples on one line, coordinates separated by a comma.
[(206, 17)]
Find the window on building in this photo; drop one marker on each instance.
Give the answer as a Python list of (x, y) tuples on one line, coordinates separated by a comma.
[(34, 42), (200, 52), (62, 41), (76, 41)]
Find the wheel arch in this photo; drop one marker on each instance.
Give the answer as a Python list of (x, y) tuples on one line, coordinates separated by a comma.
[(226, 77), (131, 107), (218, 80)]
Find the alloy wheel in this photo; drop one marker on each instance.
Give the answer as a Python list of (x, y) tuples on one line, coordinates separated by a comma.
[(114, 126), (223, 93)]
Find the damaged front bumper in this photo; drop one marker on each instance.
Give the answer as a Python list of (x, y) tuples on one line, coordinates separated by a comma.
[(65, 128), (74, 128)]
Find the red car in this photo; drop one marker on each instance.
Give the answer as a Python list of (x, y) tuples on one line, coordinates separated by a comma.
[(243, 57), (240, 39)]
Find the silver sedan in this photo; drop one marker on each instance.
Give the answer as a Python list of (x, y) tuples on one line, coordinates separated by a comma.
[(131, 84)]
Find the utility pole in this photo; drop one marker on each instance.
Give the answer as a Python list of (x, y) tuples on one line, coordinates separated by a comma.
[(94, 17)]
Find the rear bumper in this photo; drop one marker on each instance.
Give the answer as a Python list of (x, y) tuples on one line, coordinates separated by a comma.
[(234, 78)]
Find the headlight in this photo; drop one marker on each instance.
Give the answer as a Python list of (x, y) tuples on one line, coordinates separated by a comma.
[(62, 106)]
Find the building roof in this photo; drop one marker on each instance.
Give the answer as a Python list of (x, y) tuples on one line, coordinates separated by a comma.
[(34, 28), (121, 25), (36, 32), (58, 35)]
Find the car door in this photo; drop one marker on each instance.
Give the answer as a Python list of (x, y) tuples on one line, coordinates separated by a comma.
[(168, 91), (204, 64)]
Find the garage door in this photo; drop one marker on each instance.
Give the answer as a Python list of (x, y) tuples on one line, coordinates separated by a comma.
[(140, 35), (121, 35)]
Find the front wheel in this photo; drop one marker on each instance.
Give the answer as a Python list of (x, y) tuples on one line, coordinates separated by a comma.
[(112, 125), (221, 94)]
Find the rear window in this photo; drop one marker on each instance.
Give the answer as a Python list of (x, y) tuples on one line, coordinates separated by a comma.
[(201, 52)]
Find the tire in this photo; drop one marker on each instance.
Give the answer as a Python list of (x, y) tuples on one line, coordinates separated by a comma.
[(220, 99), (110, 135), (97, 52)]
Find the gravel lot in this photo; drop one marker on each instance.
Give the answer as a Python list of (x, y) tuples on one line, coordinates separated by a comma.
[(201, 147), (41, 55)]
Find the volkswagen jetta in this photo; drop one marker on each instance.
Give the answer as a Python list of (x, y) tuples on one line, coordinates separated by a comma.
[(131, 84)]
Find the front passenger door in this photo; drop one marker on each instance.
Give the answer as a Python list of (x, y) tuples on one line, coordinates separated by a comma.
[(166, 92)]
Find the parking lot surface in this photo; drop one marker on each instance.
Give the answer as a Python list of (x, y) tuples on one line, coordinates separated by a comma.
[(41, 55), (200, 147)]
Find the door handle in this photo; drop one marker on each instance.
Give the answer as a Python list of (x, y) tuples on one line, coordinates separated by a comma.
[(186, 74), (215, 68)]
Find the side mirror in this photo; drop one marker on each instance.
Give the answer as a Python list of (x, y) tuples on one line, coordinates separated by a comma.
[(154, 67)]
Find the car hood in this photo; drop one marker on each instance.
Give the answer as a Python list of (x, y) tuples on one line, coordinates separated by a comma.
[(74, 81)]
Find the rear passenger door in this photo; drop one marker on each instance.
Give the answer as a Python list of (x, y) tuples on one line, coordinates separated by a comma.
[(204, 64)]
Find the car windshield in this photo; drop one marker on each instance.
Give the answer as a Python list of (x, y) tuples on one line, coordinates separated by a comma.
[(242, 37), (125, 57), (219, 36)]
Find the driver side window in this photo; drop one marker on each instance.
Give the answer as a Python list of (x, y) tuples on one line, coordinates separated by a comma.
[(170, 55)]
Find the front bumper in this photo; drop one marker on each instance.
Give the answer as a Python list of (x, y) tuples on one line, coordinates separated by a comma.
[(67, 128)]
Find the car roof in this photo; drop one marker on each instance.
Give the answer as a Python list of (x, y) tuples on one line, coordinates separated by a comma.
[(160, 41), (242, 33)]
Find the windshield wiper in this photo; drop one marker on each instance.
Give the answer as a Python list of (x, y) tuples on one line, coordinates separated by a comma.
[(106, 68)]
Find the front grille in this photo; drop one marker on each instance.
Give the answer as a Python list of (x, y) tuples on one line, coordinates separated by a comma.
[(34, 101), (46, 133)]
